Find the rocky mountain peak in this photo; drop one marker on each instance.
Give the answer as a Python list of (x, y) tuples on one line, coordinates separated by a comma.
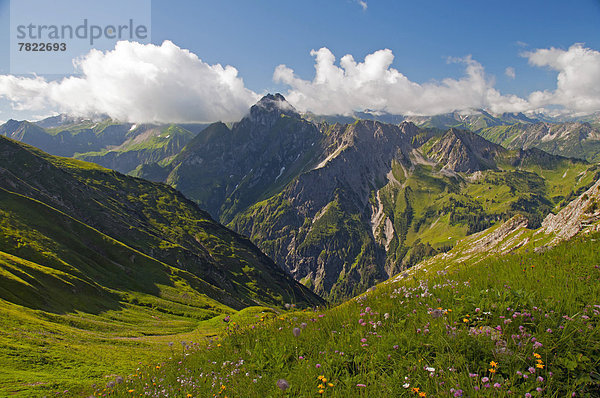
[(269, 108), (464, 151)]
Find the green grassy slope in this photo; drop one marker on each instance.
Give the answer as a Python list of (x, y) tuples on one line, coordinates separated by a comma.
[(98, 271), (522, 324), (76, 302), (153, 219)]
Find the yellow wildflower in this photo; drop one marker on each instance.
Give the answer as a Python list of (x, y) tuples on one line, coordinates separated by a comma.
[(493, 364)]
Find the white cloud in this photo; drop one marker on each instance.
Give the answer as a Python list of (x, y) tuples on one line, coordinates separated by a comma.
[(150, 83), (374, 85), (138, 83), (577, 87), (363, 4), (510, 72)]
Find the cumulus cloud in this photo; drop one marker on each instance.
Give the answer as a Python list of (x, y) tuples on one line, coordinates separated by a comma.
[(149, 83), (374, 85), (510, 72), (138, 83), (363, 4), (577, 86)]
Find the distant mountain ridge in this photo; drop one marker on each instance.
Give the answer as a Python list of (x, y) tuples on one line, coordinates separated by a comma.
[(119, 146), (342, 206)]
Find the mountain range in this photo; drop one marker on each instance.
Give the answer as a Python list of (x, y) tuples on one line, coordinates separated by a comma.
[(342, 206)]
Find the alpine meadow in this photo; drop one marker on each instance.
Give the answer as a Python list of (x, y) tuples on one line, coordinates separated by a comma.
[(300, 199)]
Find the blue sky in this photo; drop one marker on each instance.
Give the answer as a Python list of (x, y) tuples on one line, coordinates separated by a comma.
[(257, 36)]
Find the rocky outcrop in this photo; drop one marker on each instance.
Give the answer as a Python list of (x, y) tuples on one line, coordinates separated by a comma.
[(582, 214)]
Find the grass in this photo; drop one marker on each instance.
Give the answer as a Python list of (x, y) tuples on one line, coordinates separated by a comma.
[(505, 327), (98, 271)]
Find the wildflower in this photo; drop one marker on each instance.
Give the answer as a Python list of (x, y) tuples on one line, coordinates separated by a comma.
[(497, 385), (539, 365), (415, 389), (485, 379), (296, 332), (492, 370), (531, 369), (540, 379), (538, 356), (493, 364), (361, 385), (422, 394), (406, 385), (330, 384), (283, 384), (395, 347), (130, 390), (430, 369), (303, 325), (321, 391), (527, 395), (226, 319), (318, 365), (386, 315)]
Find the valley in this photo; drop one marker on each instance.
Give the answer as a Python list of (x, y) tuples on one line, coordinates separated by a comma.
[(104, 272)]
